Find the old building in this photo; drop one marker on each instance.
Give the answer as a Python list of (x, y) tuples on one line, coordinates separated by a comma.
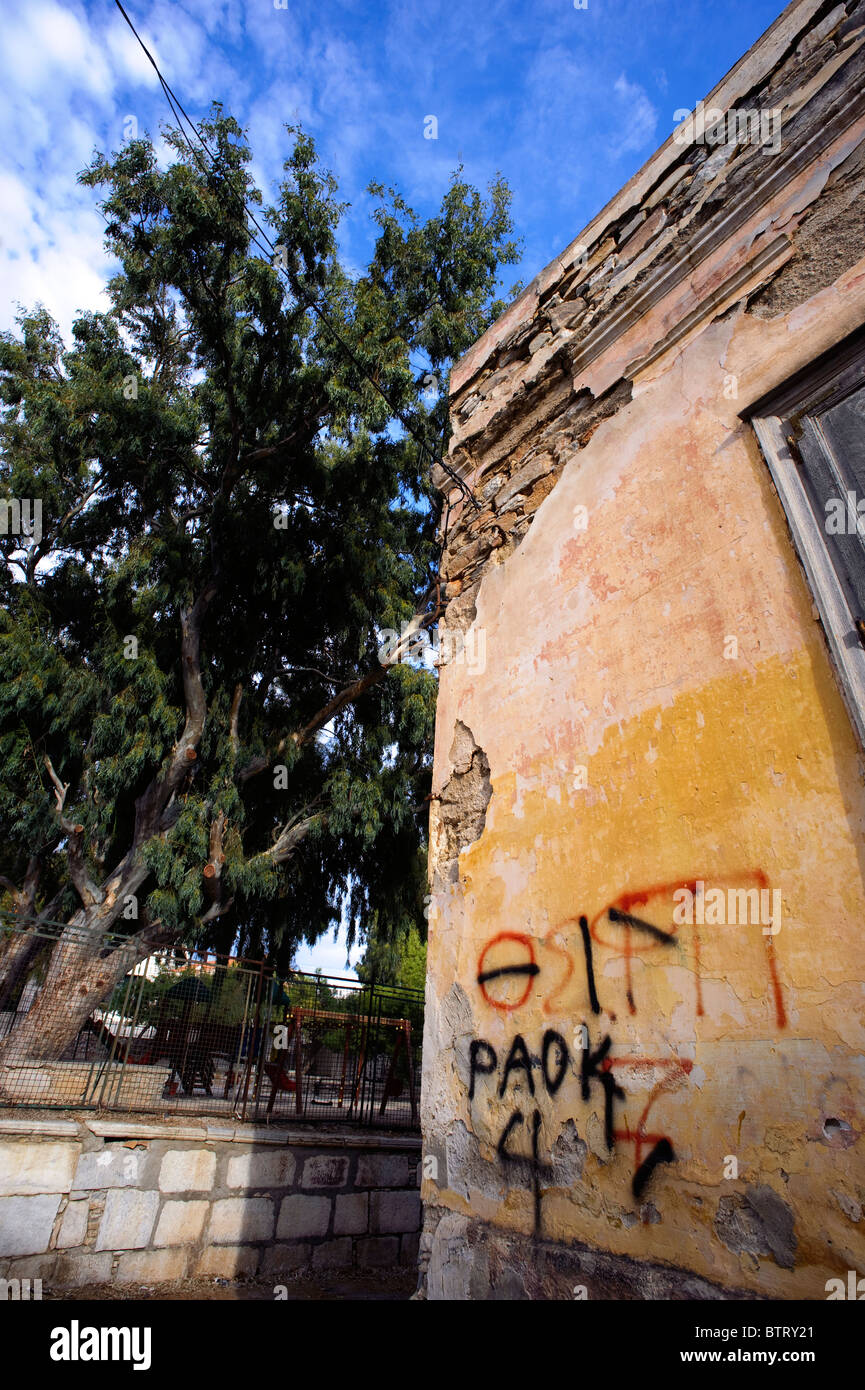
[(643, 1053)]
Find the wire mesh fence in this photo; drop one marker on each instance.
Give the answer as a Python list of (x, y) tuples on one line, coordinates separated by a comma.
[(201, 1034)]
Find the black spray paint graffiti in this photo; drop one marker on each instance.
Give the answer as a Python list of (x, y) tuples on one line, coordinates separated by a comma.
[(554, 1063), (537, 1168), (596, 1066)]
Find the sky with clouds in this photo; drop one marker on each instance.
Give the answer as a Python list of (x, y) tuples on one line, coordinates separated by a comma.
[(566, 103)]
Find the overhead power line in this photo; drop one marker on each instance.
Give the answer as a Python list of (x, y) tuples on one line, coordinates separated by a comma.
[(309, 302)]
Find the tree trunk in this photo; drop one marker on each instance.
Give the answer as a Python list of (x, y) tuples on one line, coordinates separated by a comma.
[(81, 976), (17, 955)]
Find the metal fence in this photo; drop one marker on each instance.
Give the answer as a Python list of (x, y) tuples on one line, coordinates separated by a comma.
[(205, 1034)]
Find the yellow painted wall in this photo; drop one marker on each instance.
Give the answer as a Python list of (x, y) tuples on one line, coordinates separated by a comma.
[(608, 649)]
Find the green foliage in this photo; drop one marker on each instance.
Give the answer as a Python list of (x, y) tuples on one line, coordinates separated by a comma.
[(163, 442), (395, 960)]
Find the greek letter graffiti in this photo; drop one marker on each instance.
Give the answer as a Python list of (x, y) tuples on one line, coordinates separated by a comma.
[(528, 967), (518, 1060), (590, 965), (553, 1039), (634, 926), (537, 1169), (589, 1072), (477, 1067)]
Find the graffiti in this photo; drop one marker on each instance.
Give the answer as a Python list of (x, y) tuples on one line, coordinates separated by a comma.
[(633, 936), (553, 1039), (590, 967), (619, 913), (612, 1091), (596, 1067), (676, 1071), (537, 1168), (483, 1061), (661, 1153), (518, 1060), (528, 967), (477, 1068)]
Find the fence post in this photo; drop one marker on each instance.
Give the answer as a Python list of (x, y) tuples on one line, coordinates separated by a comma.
[(249, 1050), (265, 1044), (110, 1059), (133, 1025)]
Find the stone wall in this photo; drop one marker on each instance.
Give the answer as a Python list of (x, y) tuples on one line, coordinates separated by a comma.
[(611, 1103), (87, 1201)]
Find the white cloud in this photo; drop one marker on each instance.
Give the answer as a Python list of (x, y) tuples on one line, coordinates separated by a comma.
[(70, 79), (329, 956), (639, 118), (43, 44)]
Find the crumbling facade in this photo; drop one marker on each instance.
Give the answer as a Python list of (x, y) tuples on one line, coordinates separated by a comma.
[(644, 1028)]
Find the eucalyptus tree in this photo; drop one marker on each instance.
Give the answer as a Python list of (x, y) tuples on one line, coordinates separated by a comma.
[(202, 737)]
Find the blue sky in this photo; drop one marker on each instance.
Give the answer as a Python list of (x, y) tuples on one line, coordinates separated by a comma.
[(566, 103)]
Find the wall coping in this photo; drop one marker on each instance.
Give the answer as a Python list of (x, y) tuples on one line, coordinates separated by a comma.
[(209, 1133)]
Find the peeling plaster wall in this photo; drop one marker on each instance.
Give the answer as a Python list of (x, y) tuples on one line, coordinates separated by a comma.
[(587, 1082)]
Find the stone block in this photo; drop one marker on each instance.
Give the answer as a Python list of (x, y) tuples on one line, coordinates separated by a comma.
[(39, 1167), (284, 1259), (112, 1166), (228, 1261), (56, 1128), (301, 1216), (351, 1214), (151, 1266), (127, 1222), (181, 1223), (377, 1250), (187, 1170), (26, 1223), (33, 1267), (159, 1129), (333, 1254), (76, 1268), (74, 1227), (394, 1211), (236, 1220), (255, 1169), (325, 1170), (408, 1249), (382, 1170)]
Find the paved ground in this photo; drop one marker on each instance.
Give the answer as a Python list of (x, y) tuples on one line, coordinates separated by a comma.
[(391, 1285)]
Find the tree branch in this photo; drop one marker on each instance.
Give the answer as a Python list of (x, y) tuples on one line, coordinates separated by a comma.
[(233, 718), (293, 832), (352, 691), (88, 891), (152, 802)]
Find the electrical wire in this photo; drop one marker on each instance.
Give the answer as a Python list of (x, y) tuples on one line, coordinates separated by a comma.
[(180, 115)]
